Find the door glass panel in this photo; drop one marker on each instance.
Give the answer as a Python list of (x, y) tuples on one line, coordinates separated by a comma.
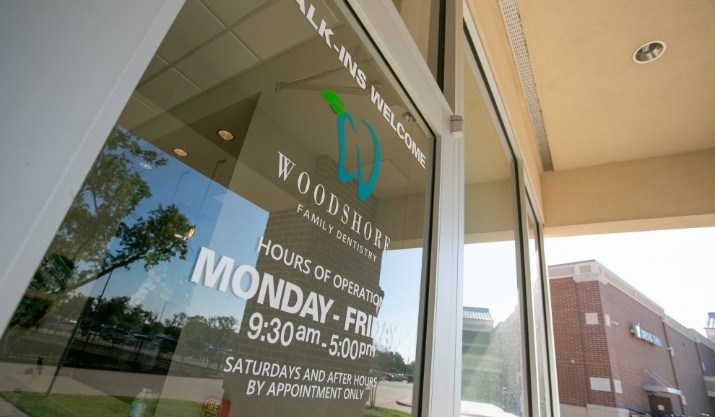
[(249, 241), (539, 314), (493, 377), (421, 17)]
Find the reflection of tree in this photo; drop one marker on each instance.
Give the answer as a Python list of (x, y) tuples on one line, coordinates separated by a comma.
[(30, 311), (384, 362), (54, 273), (388, 361), (102, 212), (172, 327), (217, 331), (153, 240), (112, 190), (117, 312)]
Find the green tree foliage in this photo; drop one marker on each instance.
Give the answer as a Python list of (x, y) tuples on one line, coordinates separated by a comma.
[(110, 193), (388, 361), (219, 331), (112, 312), (173, 326), (103, 215), (71, 306), (103, 210), (158, 238)]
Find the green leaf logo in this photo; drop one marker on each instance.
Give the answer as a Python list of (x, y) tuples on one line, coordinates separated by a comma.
[(334, 100)]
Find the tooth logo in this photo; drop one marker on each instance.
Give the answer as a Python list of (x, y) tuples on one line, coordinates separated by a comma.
[(364, 189)]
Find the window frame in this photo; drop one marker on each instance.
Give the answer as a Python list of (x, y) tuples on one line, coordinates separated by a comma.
[(525, 198)]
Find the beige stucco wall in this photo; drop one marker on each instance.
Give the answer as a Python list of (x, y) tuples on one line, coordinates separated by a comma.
[(655, 193), (675, 191), (492, 32)]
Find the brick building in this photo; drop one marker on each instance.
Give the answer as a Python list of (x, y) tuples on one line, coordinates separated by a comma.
[(618, 353)]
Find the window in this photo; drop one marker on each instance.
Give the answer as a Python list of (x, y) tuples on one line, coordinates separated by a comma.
[(493, 345), (539, 314), (422, 19), (249, 241)]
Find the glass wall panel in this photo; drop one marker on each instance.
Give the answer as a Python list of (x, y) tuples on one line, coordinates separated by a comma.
[(249, 241), (422, 18), (539, 318), (493, 373)]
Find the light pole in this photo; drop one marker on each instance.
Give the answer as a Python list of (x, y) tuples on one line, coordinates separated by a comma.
[(162, 311), (65, 352), (213, 174), (181, 177)]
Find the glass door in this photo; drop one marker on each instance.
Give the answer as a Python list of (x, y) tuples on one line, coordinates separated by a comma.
[(250, 240)]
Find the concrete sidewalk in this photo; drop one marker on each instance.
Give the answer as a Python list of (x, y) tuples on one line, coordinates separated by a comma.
[(13, 377)]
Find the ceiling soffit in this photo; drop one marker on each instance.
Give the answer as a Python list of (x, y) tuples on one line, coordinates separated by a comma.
[(512, 22), (598, 105)]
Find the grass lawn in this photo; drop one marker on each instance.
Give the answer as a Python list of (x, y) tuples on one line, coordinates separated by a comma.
[(384, 412), (35, 404), (67, 405)]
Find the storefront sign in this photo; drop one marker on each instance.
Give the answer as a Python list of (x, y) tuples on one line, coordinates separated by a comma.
[(358, 74), (264, 270), (639, 333), (343, 213), (364, 189)]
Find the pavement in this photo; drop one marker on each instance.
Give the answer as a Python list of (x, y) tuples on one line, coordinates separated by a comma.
[(394, 395), (390, 394)]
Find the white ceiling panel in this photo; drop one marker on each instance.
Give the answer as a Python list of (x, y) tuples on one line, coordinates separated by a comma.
[(136, 112), (229, 11), (157, 64), (168, 89), (194, 25), (287, 25), (222, 58)]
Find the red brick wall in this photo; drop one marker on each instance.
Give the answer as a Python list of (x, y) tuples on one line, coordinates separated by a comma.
[(689, 373), (613, 352), (596, 350), (575, 341), (635, 361)]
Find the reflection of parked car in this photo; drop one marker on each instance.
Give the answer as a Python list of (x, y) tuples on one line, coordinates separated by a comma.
[(137, 338), (394, 376), (96, 327), (193, 348), (60, 324), (113, 334), (166, 343)]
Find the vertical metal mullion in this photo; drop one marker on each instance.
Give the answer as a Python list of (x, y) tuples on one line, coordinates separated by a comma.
[(550, 347), (530, 364), (452, 37)]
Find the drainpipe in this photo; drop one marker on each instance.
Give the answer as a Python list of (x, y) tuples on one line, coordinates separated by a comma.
[(672, 366)]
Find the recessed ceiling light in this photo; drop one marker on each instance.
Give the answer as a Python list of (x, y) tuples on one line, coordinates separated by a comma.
[(182, 153), (648, 52), (225, 135)]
